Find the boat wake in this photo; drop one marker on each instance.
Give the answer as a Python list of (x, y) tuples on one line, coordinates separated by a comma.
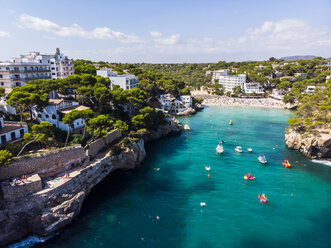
[(326, 162)]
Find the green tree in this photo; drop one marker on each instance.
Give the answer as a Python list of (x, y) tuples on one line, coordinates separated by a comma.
[(2, 91), (121, 126), (69, 119), (42, 132), (5, 157), (99, 126)]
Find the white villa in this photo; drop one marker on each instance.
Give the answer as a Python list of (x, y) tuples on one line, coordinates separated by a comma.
[(172, 105), (310, 89), (278, 94), (125, 81), (12, 131), (253, 87), (215, 74), (56, 110)]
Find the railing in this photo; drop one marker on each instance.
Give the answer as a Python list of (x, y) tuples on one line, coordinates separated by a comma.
[(30, 70)]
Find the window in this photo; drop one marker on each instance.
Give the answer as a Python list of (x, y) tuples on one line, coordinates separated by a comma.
[(0, 76), (2, 83), (3, 139), (39, 115), (53, 74), (53, 68), (47, 116), (53, 117), (13, 135), (22, 133), (52, 63)]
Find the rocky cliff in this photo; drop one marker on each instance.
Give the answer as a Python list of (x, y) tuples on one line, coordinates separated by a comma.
[(312, 146), (45, 212)]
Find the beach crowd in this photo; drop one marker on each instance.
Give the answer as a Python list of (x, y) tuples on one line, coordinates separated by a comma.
[(236, 101)]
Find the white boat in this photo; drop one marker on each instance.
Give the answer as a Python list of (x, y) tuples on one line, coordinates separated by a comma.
[(262, 159), (238, 149), (187, 127), (219, 149), (249, 149)]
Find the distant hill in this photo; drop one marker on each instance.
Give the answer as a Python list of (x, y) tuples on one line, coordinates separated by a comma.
[(297, 57)]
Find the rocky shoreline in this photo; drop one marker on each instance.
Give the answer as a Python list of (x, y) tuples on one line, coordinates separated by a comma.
[(312, 146), (46, 212)]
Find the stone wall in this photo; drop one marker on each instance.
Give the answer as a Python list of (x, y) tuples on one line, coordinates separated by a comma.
[(32, 184), (95, 147), (47, 163)]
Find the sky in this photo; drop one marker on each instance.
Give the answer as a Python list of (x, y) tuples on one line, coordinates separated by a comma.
[(172, 31)]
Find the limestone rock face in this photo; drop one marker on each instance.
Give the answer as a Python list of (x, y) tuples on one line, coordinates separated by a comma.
[(312, 146), (173, 126), (47, 211)]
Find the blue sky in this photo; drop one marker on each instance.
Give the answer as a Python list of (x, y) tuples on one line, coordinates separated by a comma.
[(166, 31)]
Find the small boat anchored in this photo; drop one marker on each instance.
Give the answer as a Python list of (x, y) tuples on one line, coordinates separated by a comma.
[(219, 149), (230, 122), (262, 159), (187, 127), (238, 149), (249, 149)]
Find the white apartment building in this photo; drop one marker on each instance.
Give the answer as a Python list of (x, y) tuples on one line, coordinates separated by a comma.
[(18, 71), (253, 87), (231, 81), (12, 131), (125, 81), (56, 110)]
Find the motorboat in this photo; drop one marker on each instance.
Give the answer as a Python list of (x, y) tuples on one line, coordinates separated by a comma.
[(230, 122), (219, 149), (249, 149), (262, 159), (187, 127), (238, 149)]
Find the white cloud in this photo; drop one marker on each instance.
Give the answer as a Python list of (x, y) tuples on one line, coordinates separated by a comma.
[(103, 33), (155, 34), (171, 40), (4, 34)]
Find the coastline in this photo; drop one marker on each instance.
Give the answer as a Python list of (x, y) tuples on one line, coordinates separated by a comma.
[(50, 210)]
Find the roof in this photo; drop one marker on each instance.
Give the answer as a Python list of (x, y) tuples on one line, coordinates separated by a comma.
[(11, 126), (55, 101), (76, 107)]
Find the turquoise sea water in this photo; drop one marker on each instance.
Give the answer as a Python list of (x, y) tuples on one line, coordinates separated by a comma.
[(122, 211)]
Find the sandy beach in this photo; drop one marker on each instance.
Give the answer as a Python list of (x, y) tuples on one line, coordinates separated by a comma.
[(215, 100)]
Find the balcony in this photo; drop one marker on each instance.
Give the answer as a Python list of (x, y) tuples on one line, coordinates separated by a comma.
[(30, 71)]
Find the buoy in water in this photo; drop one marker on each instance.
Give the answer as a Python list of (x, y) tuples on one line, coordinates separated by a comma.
[(208, 175), (207, 168)]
